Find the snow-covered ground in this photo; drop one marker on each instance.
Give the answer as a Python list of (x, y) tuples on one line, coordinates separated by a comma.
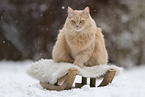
[(14, 82)]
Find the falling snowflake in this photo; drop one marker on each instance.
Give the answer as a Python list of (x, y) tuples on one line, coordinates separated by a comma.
[(43, 7), (41, 14), (4, 42), (63, 7)]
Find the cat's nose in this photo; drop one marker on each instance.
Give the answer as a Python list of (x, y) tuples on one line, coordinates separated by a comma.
[(77, 26)]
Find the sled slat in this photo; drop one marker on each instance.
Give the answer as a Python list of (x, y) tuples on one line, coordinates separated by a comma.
[(108, 77), (92, 82), (70, 78), (84, 80)]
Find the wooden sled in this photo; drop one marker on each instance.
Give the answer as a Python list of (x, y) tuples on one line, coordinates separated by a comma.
[(70, 77)]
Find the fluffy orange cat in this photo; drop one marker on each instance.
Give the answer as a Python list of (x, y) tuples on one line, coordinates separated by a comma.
[(80, 41)]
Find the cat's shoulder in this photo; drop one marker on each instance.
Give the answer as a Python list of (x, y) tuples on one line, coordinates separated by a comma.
[(60, 34)]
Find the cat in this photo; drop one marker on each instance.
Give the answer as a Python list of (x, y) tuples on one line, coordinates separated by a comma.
[(80, 41)]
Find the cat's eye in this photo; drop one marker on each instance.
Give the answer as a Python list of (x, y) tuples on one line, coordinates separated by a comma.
[(81, 21), (72, 21)]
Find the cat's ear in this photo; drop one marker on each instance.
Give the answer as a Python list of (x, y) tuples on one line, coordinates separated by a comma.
[(86, 12), (70, 12)]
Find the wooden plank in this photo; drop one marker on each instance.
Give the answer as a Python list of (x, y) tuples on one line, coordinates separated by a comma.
[(70, 78), (108, 77), (92, 82), (78, 85), (84, 80)]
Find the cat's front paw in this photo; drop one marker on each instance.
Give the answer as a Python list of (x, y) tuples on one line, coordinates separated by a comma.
[(80, 65)]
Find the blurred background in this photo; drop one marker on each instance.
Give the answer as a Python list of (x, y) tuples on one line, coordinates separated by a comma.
[(28, 28)]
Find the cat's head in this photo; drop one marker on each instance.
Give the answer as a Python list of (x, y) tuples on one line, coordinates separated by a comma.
[(78, 19)]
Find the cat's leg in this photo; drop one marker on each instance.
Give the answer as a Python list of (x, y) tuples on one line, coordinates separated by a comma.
[(61, 51), (99, 56), (83, 56)]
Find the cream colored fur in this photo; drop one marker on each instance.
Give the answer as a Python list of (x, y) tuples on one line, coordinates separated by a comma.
[(80, 41)]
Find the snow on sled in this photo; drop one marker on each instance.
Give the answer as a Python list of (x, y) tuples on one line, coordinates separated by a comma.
[(60, 76)]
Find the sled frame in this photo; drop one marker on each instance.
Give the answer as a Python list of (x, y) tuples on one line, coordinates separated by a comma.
[(70, 77)]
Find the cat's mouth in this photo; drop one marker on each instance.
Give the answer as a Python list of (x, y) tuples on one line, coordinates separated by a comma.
[(78, 29)]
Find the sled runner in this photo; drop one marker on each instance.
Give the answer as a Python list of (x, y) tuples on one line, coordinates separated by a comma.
[(70, 77)]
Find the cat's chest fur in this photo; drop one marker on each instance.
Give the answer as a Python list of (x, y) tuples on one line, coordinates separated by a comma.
[(78, 41)]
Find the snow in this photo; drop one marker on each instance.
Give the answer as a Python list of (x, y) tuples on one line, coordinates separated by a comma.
[(63, 7), (14, 82), (43, 7), (4, 41)]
